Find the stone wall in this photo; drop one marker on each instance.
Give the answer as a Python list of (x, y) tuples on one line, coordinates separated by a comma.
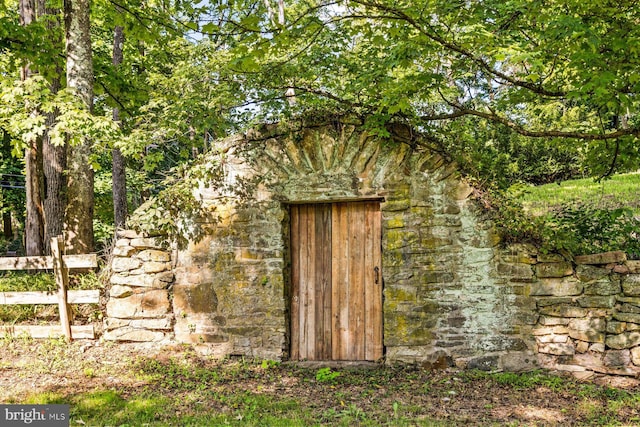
[(139, 307), (442, 301), (452, 295), (585, 312)]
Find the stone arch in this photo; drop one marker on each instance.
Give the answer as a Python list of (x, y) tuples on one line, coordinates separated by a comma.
[(441, 298)]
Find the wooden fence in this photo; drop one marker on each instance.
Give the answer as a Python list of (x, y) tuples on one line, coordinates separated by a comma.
[(60, 264)]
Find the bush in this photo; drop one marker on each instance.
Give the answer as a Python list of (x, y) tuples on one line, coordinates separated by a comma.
[(576, 228), (580, 228)]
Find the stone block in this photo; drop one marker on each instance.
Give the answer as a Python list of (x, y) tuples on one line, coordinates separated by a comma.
[(483, 363), (134, 335), (633, 266), (582, 347), (563, 310), (156, 281), (601, 258), (552, 338), (629, 308), (399, 293), (145, 243), (551, 321), (154, 255), (597, 324), (588, 336), (129, 234), (583, 375), (162, 323), (527, 318), (602, 287), (123, 251), (590, 359), (590, 273), (616, 358), (110, 323), (553, 330), (123, 243), (597, 347), (628, 300), (635, 356), (149, 304), (621, 269), (515, 272), (545, 302), (551, 258), (558, 287), (597, 301), (521, 361), (120, 291), (554, 269), (631, 285), (155, 267), (120, 264), (627, 317), (395, 221), (521, 258), (615, 327), (623, 341), (558, 349)]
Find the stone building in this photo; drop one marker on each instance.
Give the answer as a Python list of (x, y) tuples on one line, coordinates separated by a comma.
[(331, 243)]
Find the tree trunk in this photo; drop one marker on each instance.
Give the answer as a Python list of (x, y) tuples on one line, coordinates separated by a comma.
[(118, 170), (79, 211), (54, 158), (55, 163), (34, 224)]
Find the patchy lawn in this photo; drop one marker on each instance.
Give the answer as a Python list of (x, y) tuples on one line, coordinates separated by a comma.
[(126, 385)]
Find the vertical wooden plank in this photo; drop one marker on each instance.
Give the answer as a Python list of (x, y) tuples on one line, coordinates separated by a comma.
[(304, 281), (295, 281), (375, 319), (323, 281), (354, 284), (62, 280), (369, 280), (326, 288), (311, 282), (335, 271), (345, 302), (339, 271), (317, 279)]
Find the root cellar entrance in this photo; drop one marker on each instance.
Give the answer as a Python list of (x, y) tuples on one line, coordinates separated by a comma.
[(336, 279)]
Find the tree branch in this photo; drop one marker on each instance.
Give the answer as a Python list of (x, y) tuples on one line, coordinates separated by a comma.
[(496, 118), (535, 88)]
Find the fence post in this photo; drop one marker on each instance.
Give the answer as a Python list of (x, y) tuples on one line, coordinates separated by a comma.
[(62, 280)]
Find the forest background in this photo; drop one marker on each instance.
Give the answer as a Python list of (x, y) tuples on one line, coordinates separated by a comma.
[(105, 105)]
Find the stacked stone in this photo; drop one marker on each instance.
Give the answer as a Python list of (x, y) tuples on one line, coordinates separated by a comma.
[(139, 307), (588, 315)]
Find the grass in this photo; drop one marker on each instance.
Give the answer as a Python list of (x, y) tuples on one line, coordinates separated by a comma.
[(183, 388), (577, 216), (20, 281), (622, 190)]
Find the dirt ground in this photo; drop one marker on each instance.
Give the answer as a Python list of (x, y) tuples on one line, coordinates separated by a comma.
[(449, 396)]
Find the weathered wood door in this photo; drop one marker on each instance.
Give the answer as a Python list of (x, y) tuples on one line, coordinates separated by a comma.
[(336, 296)]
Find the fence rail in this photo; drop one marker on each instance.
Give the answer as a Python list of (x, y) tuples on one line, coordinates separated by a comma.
[(60, 264)]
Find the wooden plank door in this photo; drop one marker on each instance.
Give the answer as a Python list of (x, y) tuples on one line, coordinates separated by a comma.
[(336, 281)]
